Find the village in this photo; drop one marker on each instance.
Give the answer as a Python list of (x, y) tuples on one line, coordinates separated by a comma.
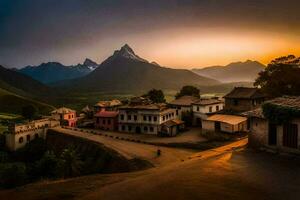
[(243, 112)]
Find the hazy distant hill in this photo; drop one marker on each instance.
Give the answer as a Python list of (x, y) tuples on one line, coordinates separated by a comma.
[(126, 71), (234, 72), (53, 71)]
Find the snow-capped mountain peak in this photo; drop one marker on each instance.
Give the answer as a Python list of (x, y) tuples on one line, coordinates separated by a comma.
[(127, 52)]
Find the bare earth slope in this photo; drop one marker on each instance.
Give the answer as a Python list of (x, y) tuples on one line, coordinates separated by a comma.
[(227, 172)]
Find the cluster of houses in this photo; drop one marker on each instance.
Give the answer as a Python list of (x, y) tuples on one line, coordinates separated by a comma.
[(240, 110)]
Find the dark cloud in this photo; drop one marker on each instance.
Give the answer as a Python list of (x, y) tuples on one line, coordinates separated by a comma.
[(33, 30)]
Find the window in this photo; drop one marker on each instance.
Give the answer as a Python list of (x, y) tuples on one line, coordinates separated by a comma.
[(122, 117), (135, 117), (123, 128), (129, 128), (129, 117), (69, 116), (210, 108), (145, 128), (21, 140), (103, 121), (36, 136), (108, 121), (150, 118), (151, 129), (235, 102), (28, 138), (217, 108), (164, 118), (145, 118), (97, 120), (155, 118), (198, 108), (176, 112)]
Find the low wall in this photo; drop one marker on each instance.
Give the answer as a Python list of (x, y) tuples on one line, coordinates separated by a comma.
[(104, 160)]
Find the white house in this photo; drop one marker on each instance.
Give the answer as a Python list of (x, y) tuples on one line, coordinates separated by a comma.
[(20, 134), (204, 108), (183, 104), (145, 118)]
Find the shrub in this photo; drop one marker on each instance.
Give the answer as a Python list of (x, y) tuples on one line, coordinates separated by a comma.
[(48, 166), (12, 174)]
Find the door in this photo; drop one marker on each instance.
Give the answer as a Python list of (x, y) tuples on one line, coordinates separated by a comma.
[(217, 126), (138, 129), (272, 134), (199, 122), (290, 135)]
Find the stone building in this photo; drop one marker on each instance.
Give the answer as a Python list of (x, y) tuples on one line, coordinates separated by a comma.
[(183, 104), (279, 136), (225, 123), (107, 120), (204, 108), (242, 99), (66, 116), (144, 117), (20, 134)]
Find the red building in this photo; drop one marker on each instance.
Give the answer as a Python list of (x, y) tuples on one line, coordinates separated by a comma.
[(66, 116), (107, 120)]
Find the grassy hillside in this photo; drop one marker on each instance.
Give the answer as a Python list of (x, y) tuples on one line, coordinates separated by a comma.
[(12, 103)]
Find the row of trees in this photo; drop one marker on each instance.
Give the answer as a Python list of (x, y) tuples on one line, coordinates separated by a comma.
[(157, 96)]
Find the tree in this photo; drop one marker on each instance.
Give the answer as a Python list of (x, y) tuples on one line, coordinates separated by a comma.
[(156, 96), (281, 77), (48, 166), (188, 91), (29, 112), (71, 162)]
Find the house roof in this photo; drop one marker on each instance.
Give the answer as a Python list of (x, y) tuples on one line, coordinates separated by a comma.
[(111, 103), (173, 122), (285, 101), (208, 102), (229, 119), (87, 109), (245, 93), (153, 106), (62, 110), (184, 101), (109, 114)]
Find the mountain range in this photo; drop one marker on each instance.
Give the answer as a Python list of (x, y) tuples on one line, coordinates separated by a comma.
[(234, 72), (53, 71), (126, 71)]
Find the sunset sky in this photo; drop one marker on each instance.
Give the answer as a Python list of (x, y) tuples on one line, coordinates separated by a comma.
[(173, 33)]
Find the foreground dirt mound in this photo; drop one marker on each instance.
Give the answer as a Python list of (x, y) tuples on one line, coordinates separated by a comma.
[(101, 158)]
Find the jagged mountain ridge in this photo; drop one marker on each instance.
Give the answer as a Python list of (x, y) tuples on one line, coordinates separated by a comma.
[(54, 71), (126, 71)]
